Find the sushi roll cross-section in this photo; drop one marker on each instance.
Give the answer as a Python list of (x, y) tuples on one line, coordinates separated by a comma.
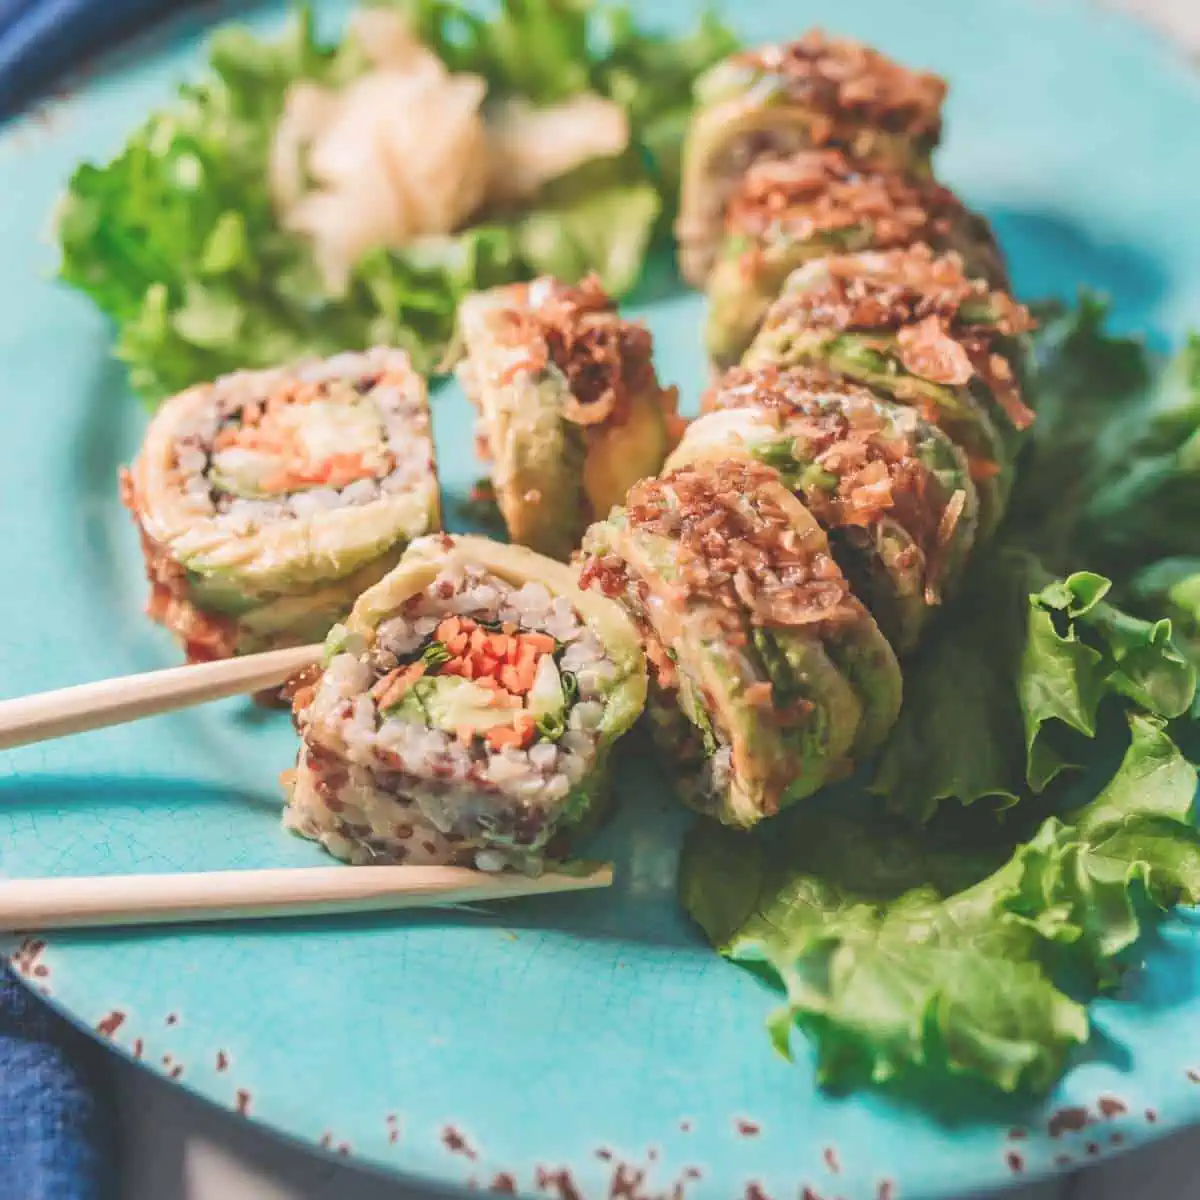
[(913, 326), (893, 491), (465, 711), (268, 500), (571, 412), (788, 211), (769, 677), (814, 93)]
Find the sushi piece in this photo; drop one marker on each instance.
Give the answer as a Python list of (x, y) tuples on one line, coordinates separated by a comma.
[(913, 326), (788, 211), (893, 491), (817, 92), (769, 678), (465, 711), (571, 412), (268, 500)]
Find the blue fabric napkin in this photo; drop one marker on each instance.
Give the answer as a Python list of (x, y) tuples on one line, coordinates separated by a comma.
[(39, 39), (56, 1113)]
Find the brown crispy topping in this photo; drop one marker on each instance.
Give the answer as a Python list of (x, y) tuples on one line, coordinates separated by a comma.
[(928, 350), (816, 192), (838, 76), (874, 472), (605, 358), (738, 545), (893, 288), (771, 387), (947, 323), (606, 572)]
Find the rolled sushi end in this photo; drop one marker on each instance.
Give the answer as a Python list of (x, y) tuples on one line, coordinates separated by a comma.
[(892, 491), (788, 211), (571, 412), (768, 678), (267, 501), (770, 102), (465, 712), (912, 325)]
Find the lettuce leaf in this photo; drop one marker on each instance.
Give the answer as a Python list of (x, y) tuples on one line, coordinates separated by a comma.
[(1010, 686), (175, 239), (906, 953)]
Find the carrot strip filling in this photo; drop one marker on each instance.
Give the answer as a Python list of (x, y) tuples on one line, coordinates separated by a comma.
[(504, 664)]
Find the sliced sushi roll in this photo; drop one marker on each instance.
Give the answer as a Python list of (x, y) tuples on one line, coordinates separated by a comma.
[(768, 678), (465, 711), (268, 500), (772, 101), (893, 492), (571, 413), (913, 326), (787, 211)]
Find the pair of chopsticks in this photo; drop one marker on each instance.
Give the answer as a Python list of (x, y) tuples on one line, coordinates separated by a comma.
[(74, 902)]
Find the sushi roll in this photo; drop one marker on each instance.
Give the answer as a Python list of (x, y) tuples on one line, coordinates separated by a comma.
[(893, 492), (769, 678), (268, 500), (914, 327), (817, 92), (571, 412), (465, 711), (787, 211)]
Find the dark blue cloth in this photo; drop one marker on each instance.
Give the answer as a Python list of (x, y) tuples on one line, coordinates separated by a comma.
[(39, 39), (56, 1115)]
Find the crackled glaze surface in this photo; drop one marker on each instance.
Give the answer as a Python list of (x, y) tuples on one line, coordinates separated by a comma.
[(591, 1046)]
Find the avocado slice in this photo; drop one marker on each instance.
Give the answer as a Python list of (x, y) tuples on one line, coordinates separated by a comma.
[(538, 464), (619, 455), (714, 679), (448, 703), (774, 762)]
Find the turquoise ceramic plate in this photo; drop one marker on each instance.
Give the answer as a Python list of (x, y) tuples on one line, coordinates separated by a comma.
[(592, 1046)]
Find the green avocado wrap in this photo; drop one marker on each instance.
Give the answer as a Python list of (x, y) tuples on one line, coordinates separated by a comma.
[(912, 325), (768, 678), (571, 413), (788, 211), (893, 492), (772, 101), (268, 500), (465, 711)]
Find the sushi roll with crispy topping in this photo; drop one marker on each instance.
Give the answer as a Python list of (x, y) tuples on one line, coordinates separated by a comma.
[(915, 327), (268, 500), (571, 412), (769, 678), (817, 92), (787, 211), (893, 492), (465, 711)]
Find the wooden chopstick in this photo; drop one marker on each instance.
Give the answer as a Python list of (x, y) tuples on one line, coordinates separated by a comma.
[(113, 900), (87, 706)]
